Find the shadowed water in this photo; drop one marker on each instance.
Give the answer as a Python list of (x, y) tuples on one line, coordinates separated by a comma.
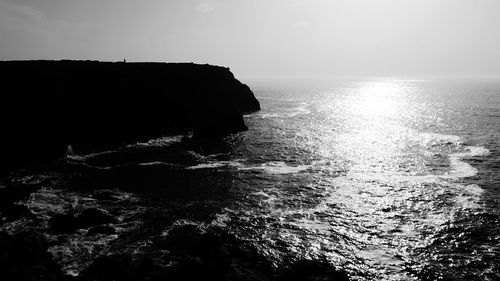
[(387, 179)]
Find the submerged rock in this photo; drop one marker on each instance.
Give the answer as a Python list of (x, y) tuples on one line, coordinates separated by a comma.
[(105, 195), (63, 223), (11, 212), (94, 217), (102, 229)]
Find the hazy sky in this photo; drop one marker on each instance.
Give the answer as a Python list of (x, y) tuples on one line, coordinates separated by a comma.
[(264, 37)]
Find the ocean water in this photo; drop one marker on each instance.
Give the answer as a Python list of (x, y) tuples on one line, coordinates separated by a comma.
[(387, 179)]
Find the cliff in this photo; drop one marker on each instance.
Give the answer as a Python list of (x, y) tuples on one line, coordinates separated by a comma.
[(48, 105)]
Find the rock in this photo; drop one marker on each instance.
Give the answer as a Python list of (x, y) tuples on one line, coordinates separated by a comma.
[(6, 243), (94, 217), (188, 239), (94, 106), (13, 212), (113, 267), (24, 256), (15, 192), (101, 229), (182, 240), (105, 195), (212, 255), (193, 268), (147, 269), (30, 248), (63, 223)]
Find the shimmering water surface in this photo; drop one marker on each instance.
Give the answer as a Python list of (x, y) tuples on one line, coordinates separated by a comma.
[(387, 179)]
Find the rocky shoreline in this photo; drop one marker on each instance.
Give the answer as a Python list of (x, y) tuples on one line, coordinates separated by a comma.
[(49, 107), (189, 252)]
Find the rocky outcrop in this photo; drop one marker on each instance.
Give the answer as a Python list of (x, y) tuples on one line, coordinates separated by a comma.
[(24, 256), (93, 218), (193, 254), (48, 105)]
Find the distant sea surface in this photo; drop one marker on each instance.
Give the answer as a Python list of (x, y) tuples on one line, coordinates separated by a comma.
[(387, 179)]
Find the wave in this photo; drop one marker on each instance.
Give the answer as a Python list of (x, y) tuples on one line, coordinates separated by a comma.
[(273, 167), (462, 169), (163, 141), (458, 169), (214, 165), (277, 167), (298, 109), (433, 139), (275, 98), (157, 163), (269, 115), (71, 155), (158, 142)]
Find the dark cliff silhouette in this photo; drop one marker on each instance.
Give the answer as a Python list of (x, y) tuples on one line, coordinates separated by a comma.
[(92, 106)]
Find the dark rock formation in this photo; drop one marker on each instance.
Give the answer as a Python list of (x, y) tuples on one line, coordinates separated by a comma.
[(104, 195), (11, 212), (48, 105), (193, 254), (11, 193), (94, 217), (24, 256), (101, 229), (113, 267), (63, 223), (308, 270)]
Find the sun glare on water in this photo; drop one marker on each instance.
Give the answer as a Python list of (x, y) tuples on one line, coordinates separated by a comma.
[(375, 99), (376, 134)]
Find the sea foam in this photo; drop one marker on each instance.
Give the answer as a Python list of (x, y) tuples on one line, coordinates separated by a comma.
[(460, 168)]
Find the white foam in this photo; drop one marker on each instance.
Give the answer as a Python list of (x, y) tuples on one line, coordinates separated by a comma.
[(268, 115), (178, 223), (158, 163), (163, 141), (213, 165), (466, 196), (439, 139), (277, 167), (458, 169), (70, 154), (273, 167), (275, 98), (221, 220), (462, 169)]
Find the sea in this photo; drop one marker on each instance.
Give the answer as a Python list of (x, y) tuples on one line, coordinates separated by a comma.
[(384, 178)]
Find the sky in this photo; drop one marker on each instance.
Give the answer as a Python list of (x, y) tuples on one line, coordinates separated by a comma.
[(260, 38)]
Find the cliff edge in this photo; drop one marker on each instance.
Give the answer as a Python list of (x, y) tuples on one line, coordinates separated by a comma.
[(48, 105)]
